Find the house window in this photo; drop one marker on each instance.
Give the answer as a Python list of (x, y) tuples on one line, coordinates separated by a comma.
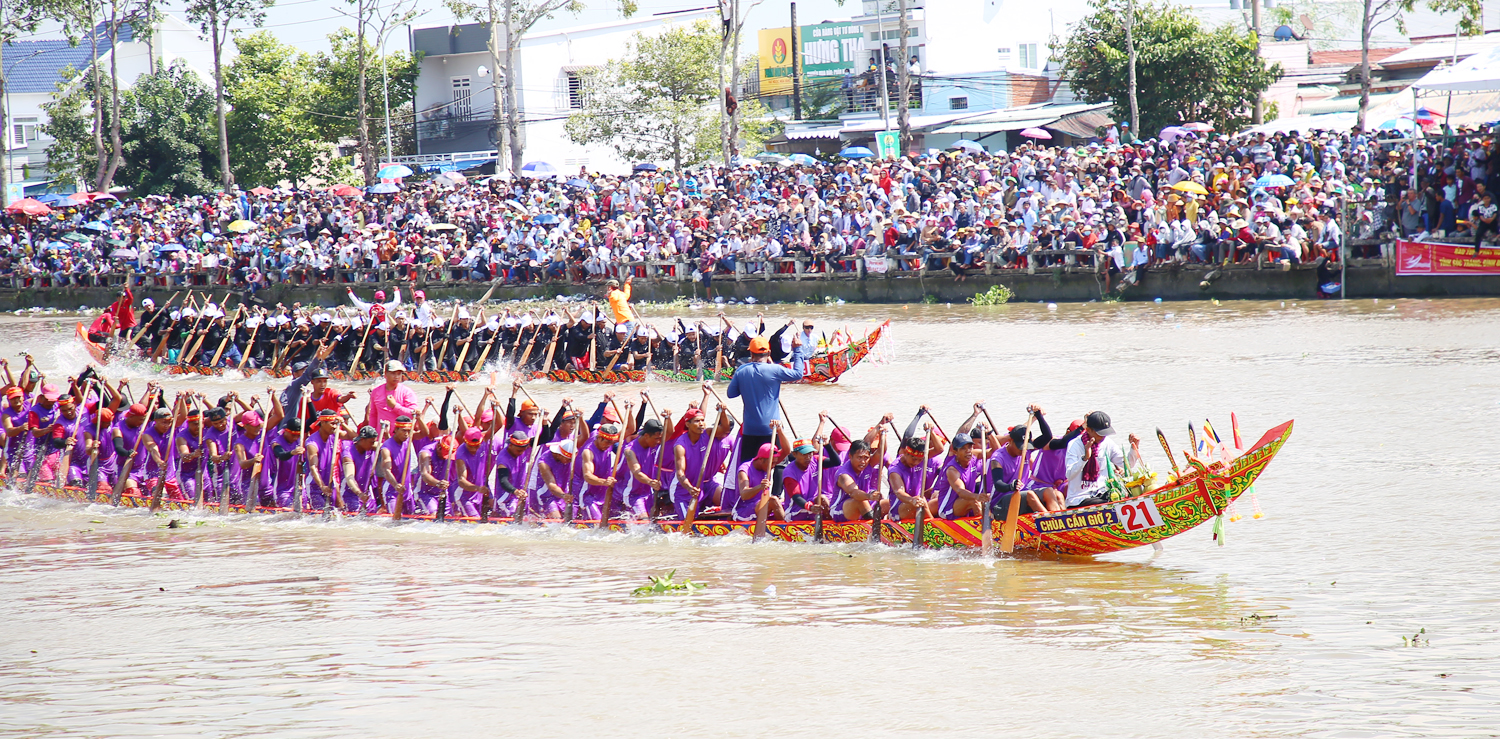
[(23, 131), (575, 91), (958, 103), (1004, 53), (462, 90), (1029, 58)]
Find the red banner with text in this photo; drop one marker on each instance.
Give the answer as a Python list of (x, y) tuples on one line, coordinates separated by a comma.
[(1428, 258)]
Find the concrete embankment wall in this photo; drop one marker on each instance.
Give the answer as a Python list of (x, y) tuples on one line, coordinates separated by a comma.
[(1368, 279)]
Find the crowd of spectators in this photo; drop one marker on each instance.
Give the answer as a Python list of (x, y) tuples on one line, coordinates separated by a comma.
[(1118, 205)]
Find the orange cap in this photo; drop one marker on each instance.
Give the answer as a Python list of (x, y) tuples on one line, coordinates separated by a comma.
[(759, 345)]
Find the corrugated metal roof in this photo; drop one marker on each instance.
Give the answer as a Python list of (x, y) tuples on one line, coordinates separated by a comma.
[(37, 66)]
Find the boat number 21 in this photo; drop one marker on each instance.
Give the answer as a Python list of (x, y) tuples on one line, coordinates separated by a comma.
[(1138, 515)]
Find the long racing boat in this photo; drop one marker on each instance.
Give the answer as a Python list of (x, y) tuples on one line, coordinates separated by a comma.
[(825, 368), (1181, 504)]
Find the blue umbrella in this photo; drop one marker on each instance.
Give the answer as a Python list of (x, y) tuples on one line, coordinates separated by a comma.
[(645, 167), (545, 219), (53, 198), (802, 159), (538, 169), (168, 248), (96, 226), (383, 188), (579, 182), (967, 145), (1274, 180), (393, 172), (856, 152)]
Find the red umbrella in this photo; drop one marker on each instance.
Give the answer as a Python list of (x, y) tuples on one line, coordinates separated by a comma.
[(345, 191), (262, 190), (29, 206)]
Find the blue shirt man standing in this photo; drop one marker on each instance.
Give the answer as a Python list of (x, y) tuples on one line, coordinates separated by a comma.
[(758, 383)]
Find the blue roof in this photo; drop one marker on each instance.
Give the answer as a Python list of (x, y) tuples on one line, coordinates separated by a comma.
[(43, 71)]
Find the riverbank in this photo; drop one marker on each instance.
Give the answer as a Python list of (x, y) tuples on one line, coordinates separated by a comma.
[(1372, 278)]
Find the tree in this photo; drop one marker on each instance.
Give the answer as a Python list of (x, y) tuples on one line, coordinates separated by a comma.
[(1377, 12), (339, 101), (168, 137), (1183, 72), (275, 133), (214, 18), (140, 15), (17, 18), (166, 131), (656, 103), (75, 119)]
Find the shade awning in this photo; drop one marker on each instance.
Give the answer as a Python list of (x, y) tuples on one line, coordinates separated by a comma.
[(1478, 73), (997, 126), (1082, 125)]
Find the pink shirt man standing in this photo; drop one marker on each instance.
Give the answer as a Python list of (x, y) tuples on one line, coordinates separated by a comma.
[(391, 398)]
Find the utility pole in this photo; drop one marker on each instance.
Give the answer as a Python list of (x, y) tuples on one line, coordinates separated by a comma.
[(796, 71), (885, 92), (1260, 106), (903, 72), (1135, 110)]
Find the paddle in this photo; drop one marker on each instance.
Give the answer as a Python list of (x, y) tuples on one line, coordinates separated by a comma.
[(614, 473), (228, 333), (1013, 511), (166, 462), (1192, 441), (162, 311), (114, 498), (364, 341), (198, 494), (986, 515), (257, 470), (877, 519), (921, 518), (709, 434), (300, 475), (93, 475)]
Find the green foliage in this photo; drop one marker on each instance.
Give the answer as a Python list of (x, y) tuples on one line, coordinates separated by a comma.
[(660, 101), (70, 125), (167, 134), (273, 134), (1183, 71), (996, 295), (665, 584), (338, 101)]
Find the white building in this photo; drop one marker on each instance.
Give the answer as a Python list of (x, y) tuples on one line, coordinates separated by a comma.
[(455, 98), (33, 70)]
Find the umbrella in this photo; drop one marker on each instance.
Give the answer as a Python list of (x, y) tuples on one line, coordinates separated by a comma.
[(241, 226), (53, 198), (450, 178), (545, 219), (580, 183), (95, 226), (383, 188), (76, 238), (114, 241), (89, 197), (1171, 132), (744, 162), (1190, 186), (770, 158), (29, 206), (345, 191), (441, 227), (538, 170), (169, 248), (124, 254), (1198, 127), (288, 231), (393, 172), (967, 145), (1036, 133), (645, 167), (856, 152), (56, 246), (261, 191), (1404, 123), (1274, 180), (802, 159)]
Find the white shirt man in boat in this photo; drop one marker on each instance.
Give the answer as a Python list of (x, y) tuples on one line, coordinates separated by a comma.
[(1086, 459)]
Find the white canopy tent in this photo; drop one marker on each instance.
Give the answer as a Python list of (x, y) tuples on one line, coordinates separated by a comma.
[(1479, 73)]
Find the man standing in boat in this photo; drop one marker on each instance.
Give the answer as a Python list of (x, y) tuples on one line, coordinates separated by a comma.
[(758, 383)]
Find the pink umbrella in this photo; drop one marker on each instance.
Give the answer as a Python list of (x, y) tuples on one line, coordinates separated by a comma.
[(345, 191), (1198, 127), (1036, 133), (29, 206)]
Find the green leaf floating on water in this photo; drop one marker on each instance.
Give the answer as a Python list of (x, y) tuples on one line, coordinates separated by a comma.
[(665, 584)]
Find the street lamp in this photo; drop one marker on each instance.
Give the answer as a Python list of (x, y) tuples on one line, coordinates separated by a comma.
[(10, 113)]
